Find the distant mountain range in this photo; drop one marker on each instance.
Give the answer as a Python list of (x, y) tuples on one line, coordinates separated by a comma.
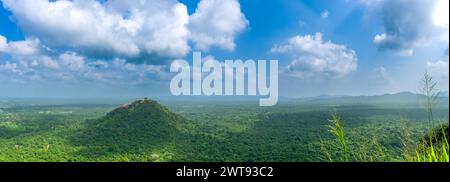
[(402, 98)]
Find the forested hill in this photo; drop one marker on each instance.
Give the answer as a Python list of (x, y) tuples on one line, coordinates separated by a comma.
[(141, 125)]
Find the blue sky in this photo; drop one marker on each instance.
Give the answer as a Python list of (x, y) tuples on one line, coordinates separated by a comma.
[(123, 49)]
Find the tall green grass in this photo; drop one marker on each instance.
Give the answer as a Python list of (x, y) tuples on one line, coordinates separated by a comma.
[(433, 148), (337, 129), (431, 94)]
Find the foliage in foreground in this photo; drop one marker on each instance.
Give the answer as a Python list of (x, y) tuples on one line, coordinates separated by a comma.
[(337, 129), (432, 147)]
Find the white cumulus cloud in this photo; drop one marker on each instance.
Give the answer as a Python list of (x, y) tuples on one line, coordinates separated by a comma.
[(113, 28), (217, 23), (312, 57), (19, 48), (129, 29), (47, 62)]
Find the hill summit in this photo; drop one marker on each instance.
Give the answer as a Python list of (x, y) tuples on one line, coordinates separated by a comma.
[(144, 111)]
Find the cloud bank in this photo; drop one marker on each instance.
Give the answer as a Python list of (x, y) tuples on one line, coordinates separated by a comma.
[(113, 40), (129, 29)]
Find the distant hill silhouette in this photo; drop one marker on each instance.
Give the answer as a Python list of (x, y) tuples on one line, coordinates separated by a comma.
[(402, 98)]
